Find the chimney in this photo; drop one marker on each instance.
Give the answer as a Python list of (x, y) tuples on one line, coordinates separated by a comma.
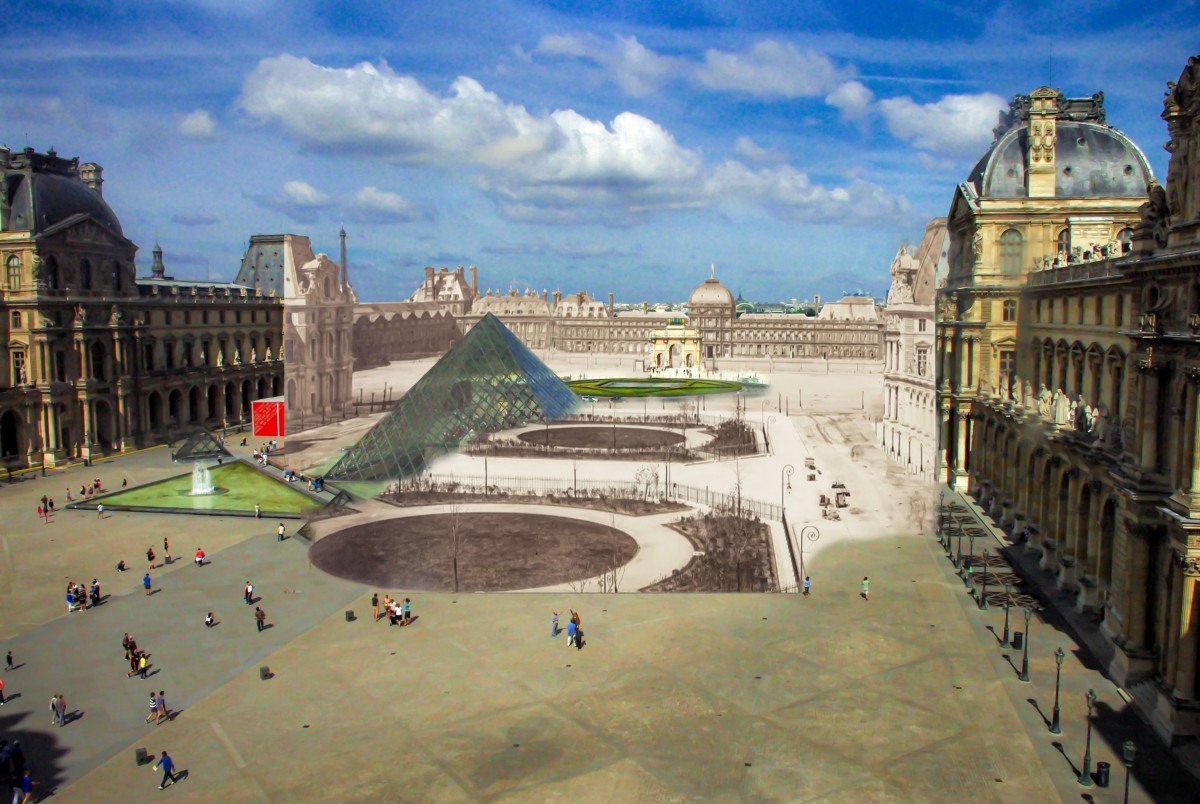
[(429, 278), (545, 295), (459, 270), (610, 305), (557, 297), (474, 280), (817, 301), (93, 176), (345, 270), (1043, 132)]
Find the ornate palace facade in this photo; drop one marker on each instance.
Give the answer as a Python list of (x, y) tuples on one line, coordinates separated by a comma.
[(318, 330), (1092, 438), (446, 305), (908, 430), (97, 359)]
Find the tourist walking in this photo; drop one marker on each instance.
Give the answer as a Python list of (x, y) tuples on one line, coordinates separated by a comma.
[(209, 622), (53, 709), (260, 617), (143, 665), (153, 709), (807, 585), (100, 511), (125, 643), (407, 609), (572, 630), (150, 556), (257, 512), (23, 789), (2, 692), (95, 592), (146, 583), (168, 766), (160, 707), (50, 505), (866, 587), (133, 664), (375, 607), (248, 593), (553, 624), (279, 533), (8, 662), (166, 551), (60, 708)]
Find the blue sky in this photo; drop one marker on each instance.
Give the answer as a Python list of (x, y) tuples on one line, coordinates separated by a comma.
[(561, 145)]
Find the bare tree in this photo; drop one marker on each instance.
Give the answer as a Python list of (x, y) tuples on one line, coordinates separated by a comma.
[(647, 476)]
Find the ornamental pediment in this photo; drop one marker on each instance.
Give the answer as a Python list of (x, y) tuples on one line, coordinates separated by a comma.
[(82, 229)]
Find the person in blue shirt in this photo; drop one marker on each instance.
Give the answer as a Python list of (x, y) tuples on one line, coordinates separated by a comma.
[(167, 765), (572, 630), (146, 583)]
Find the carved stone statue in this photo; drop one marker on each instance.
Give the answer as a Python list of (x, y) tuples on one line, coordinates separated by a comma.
[(237, 357), (1005, 389), (253, 355), (1155, 214), (220, 357), (1045, 403), (116, 316), (1073, 415), (1089, 420), (977, 247), (1100, 428), (1061, 407), (268, 354), (1027, 399), (80, 314)]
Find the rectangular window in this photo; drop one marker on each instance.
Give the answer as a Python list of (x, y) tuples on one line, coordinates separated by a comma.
[(18, 368), (60, 366), (1008, 365)]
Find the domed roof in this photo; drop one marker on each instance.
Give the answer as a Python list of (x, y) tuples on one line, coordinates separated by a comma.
[(1091, 161), (710, 294), (41, 199)]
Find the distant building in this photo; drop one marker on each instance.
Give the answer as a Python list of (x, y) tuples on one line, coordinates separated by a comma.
[(319, 331), (908, 430), (446, 305), (98, 360)]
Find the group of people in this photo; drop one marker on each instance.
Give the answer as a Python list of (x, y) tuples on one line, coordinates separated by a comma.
[(262, 455), (45, 509), (139, 660), (397, 611), (574, 629), (81, 597)]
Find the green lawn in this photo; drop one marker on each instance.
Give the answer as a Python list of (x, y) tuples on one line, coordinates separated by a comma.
[(240, 487)]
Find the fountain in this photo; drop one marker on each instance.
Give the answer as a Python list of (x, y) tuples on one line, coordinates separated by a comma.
[(201, 481)]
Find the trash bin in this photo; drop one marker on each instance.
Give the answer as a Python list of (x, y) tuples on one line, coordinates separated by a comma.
[(1018, 640), (1103, 769)]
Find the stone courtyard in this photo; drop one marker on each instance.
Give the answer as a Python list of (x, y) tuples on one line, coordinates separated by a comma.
[(673, 697)]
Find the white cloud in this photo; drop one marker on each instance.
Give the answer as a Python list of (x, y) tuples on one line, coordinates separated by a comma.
[(853, 100), (635, 68), (956, 125), (298, 200), (560, 168), (198, 125), (751, 151), (372, 205), (770, 69), (790, 194)]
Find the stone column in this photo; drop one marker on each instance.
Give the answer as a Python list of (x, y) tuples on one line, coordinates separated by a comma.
[(1134, 588), (1185, 670), (1174, 620), (960, 468)]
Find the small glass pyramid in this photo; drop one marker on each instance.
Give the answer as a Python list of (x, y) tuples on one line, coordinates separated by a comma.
[(200, 446), (489, 381)]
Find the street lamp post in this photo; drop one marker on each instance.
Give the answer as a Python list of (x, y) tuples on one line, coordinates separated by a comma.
[(785, 482), (1056, 723), (1129, 747), (1007, 605), (958, 558), (983, 591), (811, 534), (1025, 659), (1085, 775)]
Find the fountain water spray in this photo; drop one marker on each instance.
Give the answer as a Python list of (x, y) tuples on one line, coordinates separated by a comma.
[(202, 481)]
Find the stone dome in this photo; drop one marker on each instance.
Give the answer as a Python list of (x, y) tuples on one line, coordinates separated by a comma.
[(711, 294), (44, 190), (1091, 161)]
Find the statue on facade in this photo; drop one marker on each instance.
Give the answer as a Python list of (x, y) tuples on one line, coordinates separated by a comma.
[(115, 317), (1045, 403), (253, 355), (1005, 389), (1073, 415), (237, 357), (1061, 407), (220, 357), (1089, 420), (1100, 425), (1155, 214), (977, 247), (268, 354)]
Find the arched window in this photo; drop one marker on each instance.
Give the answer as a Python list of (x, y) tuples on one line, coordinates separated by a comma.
[(116, 277), (1125, 238), (1064, 244), (85, 275), (1010, 310), (14, 273), (1010, 252)]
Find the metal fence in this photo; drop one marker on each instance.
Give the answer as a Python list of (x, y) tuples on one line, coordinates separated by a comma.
[(539, 486)]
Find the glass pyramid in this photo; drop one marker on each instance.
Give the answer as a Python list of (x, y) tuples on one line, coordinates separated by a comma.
[(489, 381), (201, 446)]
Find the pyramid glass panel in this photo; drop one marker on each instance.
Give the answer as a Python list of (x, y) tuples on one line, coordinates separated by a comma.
[(488, 382)]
